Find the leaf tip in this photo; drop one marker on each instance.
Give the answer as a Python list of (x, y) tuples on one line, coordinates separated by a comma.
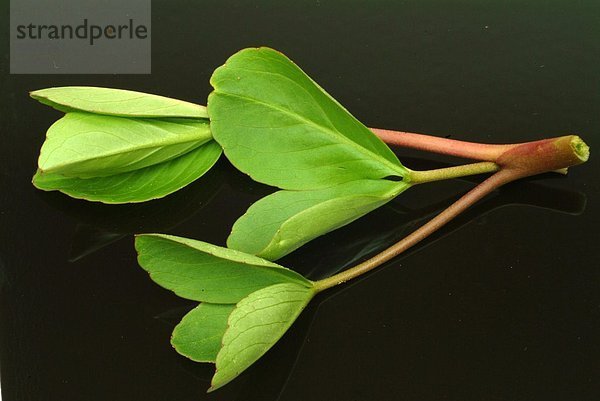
[(138, 242), (39, 95), (217, 383), (35, 94)]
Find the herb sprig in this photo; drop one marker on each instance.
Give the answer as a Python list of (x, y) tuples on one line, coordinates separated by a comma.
[(277, 125)]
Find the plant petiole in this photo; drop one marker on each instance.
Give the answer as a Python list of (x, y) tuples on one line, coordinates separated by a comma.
[(518, 161), (420, 177), (433, 144)]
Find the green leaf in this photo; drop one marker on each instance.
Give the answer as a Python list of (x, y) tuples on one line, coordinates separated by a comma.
[(116, 102), (199, 334), (141, 185), (284, 221), (277, 125), (208, 273), (255, 325), (90, 145)]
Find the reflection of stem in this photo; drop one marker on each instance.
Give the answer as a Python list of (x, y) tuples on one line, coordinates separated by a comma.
[(518, 161)]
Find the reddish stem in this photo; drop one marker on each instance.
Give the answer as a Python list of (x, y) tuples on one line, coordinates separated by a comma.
[(452, 147), (516, 161)]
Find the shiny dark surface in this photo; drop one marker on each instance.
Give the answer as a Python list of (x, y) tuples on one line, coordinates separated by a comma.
[(503, 304)]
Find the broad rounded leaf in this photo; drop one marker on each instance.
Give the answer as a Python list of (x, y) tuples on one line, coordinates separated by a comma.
[(90, 145), (199, 334), (284, 221), (277, 125), (255, 325), (116, 102), (141, 185), (204, 272)]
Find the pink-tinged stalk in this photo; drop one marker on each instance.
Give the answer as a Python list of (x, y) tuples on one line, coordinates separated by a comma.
[(516, 161), (452, 147)]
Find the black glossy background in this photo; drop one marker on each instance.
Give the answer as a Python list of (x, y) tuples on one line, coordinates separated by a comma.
[(503, 304)]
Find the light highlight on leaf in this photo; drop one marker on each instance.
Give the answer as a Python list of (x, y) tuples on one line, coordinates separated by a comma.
[(116, 102), (90, 145)]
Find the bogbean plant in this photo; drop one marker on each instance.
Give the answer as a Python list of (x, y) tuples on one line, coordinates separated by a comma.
[(277, 125)]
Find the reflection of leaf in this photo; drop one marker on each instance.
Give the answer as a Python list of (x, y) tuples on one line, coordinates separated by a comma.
[(198, 336), (88, 239), (156, 216), (207, 273), (255, 325), (277, 125), (92, 145), (99, 224), (140, 185), (116, 102), (173, 316), (282, 222)]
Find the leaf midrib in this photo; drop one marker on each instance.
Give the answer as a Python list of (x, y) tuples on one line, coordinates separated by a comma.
[(157, 145), (202, 113), (386, 196), (271, 270), (332, 133)]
